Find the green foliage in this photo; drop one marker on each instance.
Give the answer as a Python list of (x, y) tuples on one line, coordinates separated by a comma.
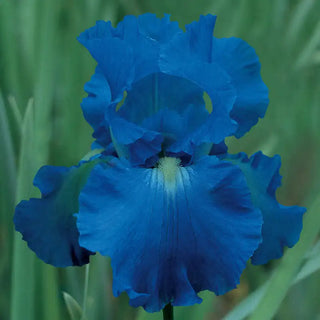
[(43, 70), (23, 287), (73, 307)]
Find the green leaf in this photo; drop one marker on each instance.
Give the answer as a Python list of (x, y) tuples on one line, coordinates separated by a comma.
[(73, 306), (16, 112), (7, 165), (247, 306), (23, 274), (306, 56), (298, 19), (48, 285), (311, 266)]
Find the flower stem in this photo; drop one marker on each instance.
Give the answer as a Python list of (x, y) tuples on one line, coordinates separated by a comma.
[(168, 312)]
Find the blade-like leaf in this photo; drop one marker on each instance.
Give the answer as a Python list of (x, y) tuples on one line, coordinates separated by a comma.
[(15, 112), (309, 50), (312, 265), (298, 19), (246, 307), (7, 165), (73, 307), (23, 274)]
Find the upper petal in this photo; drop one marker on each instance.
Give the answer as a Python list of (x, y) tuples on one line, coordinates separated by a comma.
[(130, 51), (240, 61), (161, 67), (170, 231), (281, 224), (115, 58), (124, 54), (135, 143), (171, 106), (182, 57), (48, 224), (95, 106)]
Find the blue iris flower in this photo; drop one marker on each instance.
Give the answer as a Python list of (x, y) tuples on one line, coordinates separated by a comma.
[(175, 212)]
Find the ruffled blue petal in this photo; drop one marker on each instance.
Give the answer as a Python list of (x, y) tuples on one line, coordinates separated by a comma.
[(180, 89), (124, 54), (115, 60), (130, 51), (145, 35), (135, 143), (48, 224), (181, 58), (172, 106), (159, 91), (170, 231), (160, 30), (200, 37), (161, 67), (240, 61), (282, 225), (95, 106)]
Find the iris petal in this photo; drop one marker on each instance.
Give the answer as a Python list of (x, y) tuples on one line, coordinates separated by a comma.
[(145, 35), (240, 61), (130, 51), (147, 143), (95, 106), (170, 231), (200, 36), (172, 106), (115, 60), (145, 47), (48, 224), (124, 54), (159, 91), (282, 225), (177, 59)]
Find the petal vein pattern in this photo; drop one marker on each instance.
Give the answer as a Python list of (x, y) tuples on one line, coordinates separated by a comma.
[(170, 235)]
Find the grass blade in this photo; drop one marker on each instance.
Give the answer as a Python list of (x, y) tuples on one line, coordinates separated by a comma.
[(17, 116), (73, 307), (246, 307), (23, 275), (47, 282), (311, 266), (7, 164), (305, 57), (298, 19)]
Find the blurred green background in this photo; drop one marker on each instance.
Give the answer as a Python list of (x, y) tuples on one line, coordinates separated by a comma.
[(42, 72)]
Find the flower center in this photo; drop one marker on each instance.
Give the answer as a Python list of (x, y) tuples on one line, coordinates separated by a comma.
[(169, 168)]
